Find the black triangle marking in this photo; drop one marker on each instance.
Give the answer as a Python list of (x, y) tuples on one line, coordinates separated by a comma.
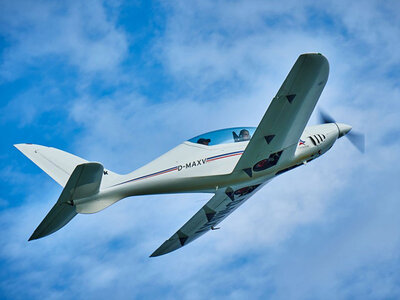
[(210, 216), (249, 172), (182, 237), (229, 193), (269, 138), (290, 97), (209, 213), (183, 240)]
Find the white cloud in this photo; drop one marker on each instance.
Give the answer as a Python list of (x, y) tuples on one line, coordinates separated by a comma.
[(81, 34)]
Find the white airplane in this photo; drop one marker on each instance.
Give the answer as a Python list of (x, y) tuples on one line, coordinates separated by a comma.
[(232, 163)]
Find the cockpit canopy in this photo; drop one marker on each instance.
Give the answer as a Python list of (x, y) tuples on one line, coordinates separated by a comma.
[(224, 136)]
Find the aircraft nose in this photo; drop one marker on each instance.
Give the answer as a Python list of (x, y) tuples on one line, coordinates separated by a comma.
[(343, 129)]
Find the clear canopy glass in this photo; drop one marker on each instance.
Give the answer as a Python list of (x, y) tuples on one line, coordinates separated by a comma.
[(224, 136)]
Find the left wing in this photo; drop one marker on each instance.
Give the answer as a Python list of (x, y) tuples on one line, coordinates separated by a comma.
[(222, 204)]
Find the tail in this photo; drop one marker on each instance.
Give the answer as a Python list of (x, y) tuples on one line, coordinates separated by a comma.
[(59, 164), (79, 178)]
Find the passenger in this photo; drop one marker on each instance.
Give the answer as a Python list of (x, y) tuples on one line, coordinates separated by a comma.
[(244, 135), (204, 141)]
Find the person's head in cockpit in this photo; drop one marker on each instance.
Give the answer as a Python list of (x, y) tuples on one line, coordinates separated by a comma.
[(204, 141), (244, 135)]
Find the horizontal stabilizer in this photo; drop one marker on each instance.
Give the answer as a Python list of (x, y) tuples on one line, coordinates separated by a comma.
[(58, 217), (84, 182)]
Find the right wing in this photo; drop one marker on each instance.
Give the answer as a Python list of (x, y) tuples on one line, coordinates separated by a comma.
[(222, 204), (282, 125)]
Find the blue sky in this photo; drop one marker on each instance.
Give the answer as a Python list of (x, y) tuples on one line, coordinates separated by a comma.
[(122, 83)]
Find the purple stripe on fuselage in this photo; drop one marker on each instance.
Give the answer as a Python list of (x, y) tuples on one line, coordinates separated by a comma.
[(212, 158), (150, 175), (226, 154)]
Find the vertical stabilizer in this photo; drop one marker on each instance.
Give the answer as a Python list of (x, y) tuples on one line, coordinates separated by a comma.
[(59, 164)]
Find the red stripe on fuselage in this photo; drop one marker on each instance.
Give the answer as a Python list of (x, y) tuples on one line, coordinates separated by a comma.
[(224, 157)]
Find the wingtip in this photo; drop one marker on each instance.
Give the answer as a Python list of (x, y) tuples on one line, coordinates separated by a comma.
[(312, 53), (34, 236), (22, 146), (37, 235), (316, 55), (155, 254), (162, 250)]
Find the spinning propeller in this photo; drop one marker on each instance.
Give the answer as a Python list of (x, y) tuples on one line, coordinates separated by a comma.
[(356, 138)]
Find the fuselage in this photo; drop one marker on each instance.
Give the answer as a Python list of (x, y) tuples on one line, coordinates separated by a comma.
[(195, 167)]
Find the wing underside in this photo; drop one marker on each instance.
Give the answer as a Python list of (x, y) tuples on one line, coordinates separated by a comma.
[(222, 204)]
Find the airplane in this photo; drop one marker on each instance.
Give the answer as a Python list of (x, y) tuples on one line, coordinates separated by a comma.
[(233, 163)]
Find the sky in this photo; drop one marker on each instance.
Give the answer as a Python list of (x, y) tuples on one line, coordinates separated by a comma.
[(122, 82)]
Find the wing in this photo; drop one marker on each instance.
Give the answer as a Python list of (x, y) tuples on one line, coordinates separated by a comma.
[(282, 125), (222, 204)]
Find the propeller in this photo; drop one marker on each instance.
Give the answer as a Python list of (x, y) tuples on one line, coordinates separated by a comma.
[(356, 138), (325, 118)]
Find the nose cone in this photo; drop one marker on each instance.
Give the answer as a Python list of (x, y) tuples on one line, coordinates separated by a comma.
[(343, 129)]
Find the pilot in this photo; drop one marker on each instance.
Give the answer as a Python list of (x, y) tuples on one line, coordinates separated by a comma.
[(203, 141), (244, 135)]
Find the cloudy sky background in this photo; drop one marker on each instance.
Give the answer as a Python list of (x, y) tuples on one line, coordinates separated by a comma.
[(122, 83)]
